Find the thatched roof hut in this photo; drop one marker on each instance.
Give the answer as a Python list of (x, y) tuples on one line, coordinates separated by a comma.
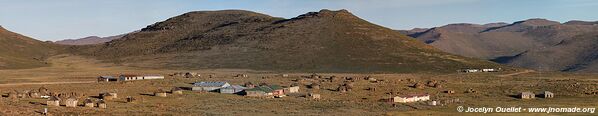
[(72, 101), (89, 103), (108, 96), (102, 104), (53, 101)]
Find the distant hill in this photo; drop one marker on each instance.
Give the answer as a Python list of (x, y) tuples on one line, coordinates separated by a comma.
[(535, 43), (18, 51), (324, 41), (89, 40)]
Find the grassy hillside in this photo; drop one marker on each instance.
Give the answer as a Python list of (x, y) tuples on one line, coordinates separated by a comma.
[(18, 51), (324, 41)]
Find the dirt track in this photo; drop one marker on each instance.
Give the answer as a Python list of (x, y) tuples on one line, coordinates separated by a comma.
[(46, 83)]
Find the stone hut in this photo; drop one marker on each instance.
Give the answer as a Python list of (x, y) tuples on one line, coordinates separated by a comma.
[(72, 101), (89, 103), (527, 95), (160, 93), (547, 94), (102, 104), (53, 101), (176, 90)]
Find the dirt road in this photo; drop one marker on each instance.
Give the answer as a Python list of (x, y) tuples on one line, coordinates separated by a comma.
[(47, 83)]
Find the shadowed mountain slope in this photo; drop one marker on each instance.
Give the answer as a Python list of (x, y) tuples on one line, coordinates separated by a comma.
[(324, 41), (18, 51), (535, 43)]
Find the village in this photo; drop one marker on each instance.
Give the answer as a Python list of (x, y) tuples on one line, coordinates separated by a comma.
[(418, 94)]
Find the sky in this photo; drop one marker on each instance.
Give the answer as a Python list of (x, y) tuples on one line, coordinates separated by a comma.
[(70, 19)]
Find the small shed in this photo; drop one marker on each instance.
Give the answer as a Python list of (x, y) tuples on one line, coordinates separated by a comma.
[(232, 89), (209, 86), (72, 101), (547, 94), (176, 90), (53, 101), (89, 103), (527, 95)]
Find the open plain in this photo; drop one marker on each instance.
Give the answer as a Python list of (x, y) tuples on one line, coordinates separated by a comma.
[(70, 73)]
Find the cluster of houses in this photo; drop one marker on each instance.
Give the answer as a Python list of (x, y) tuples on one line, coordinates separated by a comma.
[(531, 95), (249, 89), (61, 99), (128, 78), (476, 70)]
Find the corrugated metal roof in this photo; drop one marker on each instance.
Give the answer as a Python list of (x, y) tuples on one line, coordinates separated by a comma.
[(235, 87), (108, 77), (266, 89), (209, 84)]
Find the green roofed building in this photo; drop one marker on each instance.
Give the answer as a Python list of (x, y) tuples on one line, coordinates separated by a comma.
[(261, 91)]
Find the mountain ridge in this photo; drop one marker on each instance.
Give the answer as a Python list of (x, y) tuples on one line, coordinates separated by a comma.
[(324, 41), (526, 43)]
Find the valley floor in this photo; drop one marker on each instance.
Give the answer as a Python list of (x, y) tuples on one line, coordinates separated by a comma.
[(77, 74)]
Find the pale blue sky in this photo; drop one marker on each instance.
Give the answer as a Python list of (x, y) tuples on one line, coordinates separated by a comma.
[(63, 19)]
